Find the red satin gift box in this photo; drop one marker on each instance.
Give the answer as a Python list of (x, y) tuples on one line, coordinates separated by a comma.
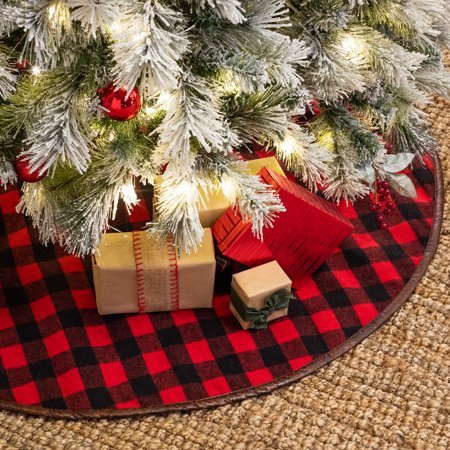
[(301, 240)]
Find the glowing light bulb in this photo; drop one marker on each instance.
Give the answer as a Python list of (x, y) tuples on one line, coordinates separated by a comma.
[(164, 99), (231, 87), (150, 111), (229, 189), (350, 45), (115, 26), (129, 196), (229, 83), (185, 190), (36, 71), (288, 145), (51, 12)]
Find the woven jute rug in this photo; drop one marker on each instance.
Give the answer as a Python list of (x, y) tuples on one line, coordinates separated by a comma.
[(391, 391)]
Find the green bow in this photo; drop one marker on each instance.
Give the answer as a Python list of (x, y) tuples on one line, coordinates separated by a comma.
[(258, 317)]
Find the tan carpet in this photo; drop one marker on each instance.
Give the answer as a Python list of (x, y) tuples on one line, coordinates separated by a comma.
[(391, 392)]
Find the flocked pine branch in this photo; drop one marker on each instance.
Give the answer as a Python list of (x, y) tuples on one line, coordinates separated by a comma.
[(255, 49), (352, 144), (7, 173), (74, 210), (332, 76), (60, 133), (82, 224), (192, 113), (150, 41), (257, 202), (432, 81), (304, 157), (8, 77), (263, 118), (344, 183), (402, 121), (177, 202), (47, 24), (262, 26), (322, 15), (230, 10), (389, 61), (259, 117), (40, 207), (94, 15)]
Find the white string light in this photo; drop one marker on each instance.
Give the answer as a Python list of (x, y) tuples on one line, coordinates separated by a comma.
[(129, 196), (150, 111), (350, 45), (51, 12), (288, 145), (164, 99), (184, 191), (229, 189)]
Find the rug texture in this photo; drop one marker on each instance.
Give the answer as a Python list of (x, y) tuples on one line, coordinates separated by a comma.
[(391, 391)]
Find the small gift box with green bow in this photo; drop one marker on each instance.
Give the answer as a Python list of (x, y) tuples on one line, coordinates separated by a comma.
[(260, 295)]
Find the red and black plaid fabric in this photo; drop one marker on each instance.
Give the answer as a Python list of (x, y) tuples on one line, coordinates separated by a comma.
[(57, 352)]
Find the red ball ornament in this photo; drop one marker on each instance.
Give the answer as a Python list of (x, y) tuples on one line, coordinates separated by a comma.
[(118, 105), (23, 65), (24, 173), (312, 110)]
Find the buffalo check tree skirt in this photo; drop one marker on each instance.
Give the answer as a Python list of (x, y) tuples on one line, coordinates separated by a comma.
[(59, 357)]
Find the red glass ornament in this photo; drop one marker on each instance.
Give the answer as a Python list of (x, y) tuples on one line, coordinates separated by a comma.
[(23, 65), (312, 110), (24, 173), (118, 105)]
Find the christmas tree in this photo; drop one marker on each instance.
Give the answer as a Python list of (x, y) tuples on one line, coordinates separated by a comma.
[(97, 94)]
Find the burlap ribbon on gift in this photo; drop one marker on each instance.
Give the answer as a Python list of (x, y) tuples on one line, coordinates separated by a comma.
[(157, 274)]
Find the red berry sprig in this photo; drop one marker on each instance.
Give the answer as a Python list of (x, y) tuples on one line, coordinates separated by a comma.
[(381, 202)]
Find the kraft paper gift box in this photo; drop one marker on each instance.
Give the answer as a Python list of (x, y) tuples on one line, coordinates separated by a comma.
[(260, 295), (214, 204), (134, 274)]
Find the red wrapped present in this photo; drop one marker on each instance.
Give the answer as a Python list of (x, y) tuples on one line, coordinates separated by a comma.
[(301, 239)]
